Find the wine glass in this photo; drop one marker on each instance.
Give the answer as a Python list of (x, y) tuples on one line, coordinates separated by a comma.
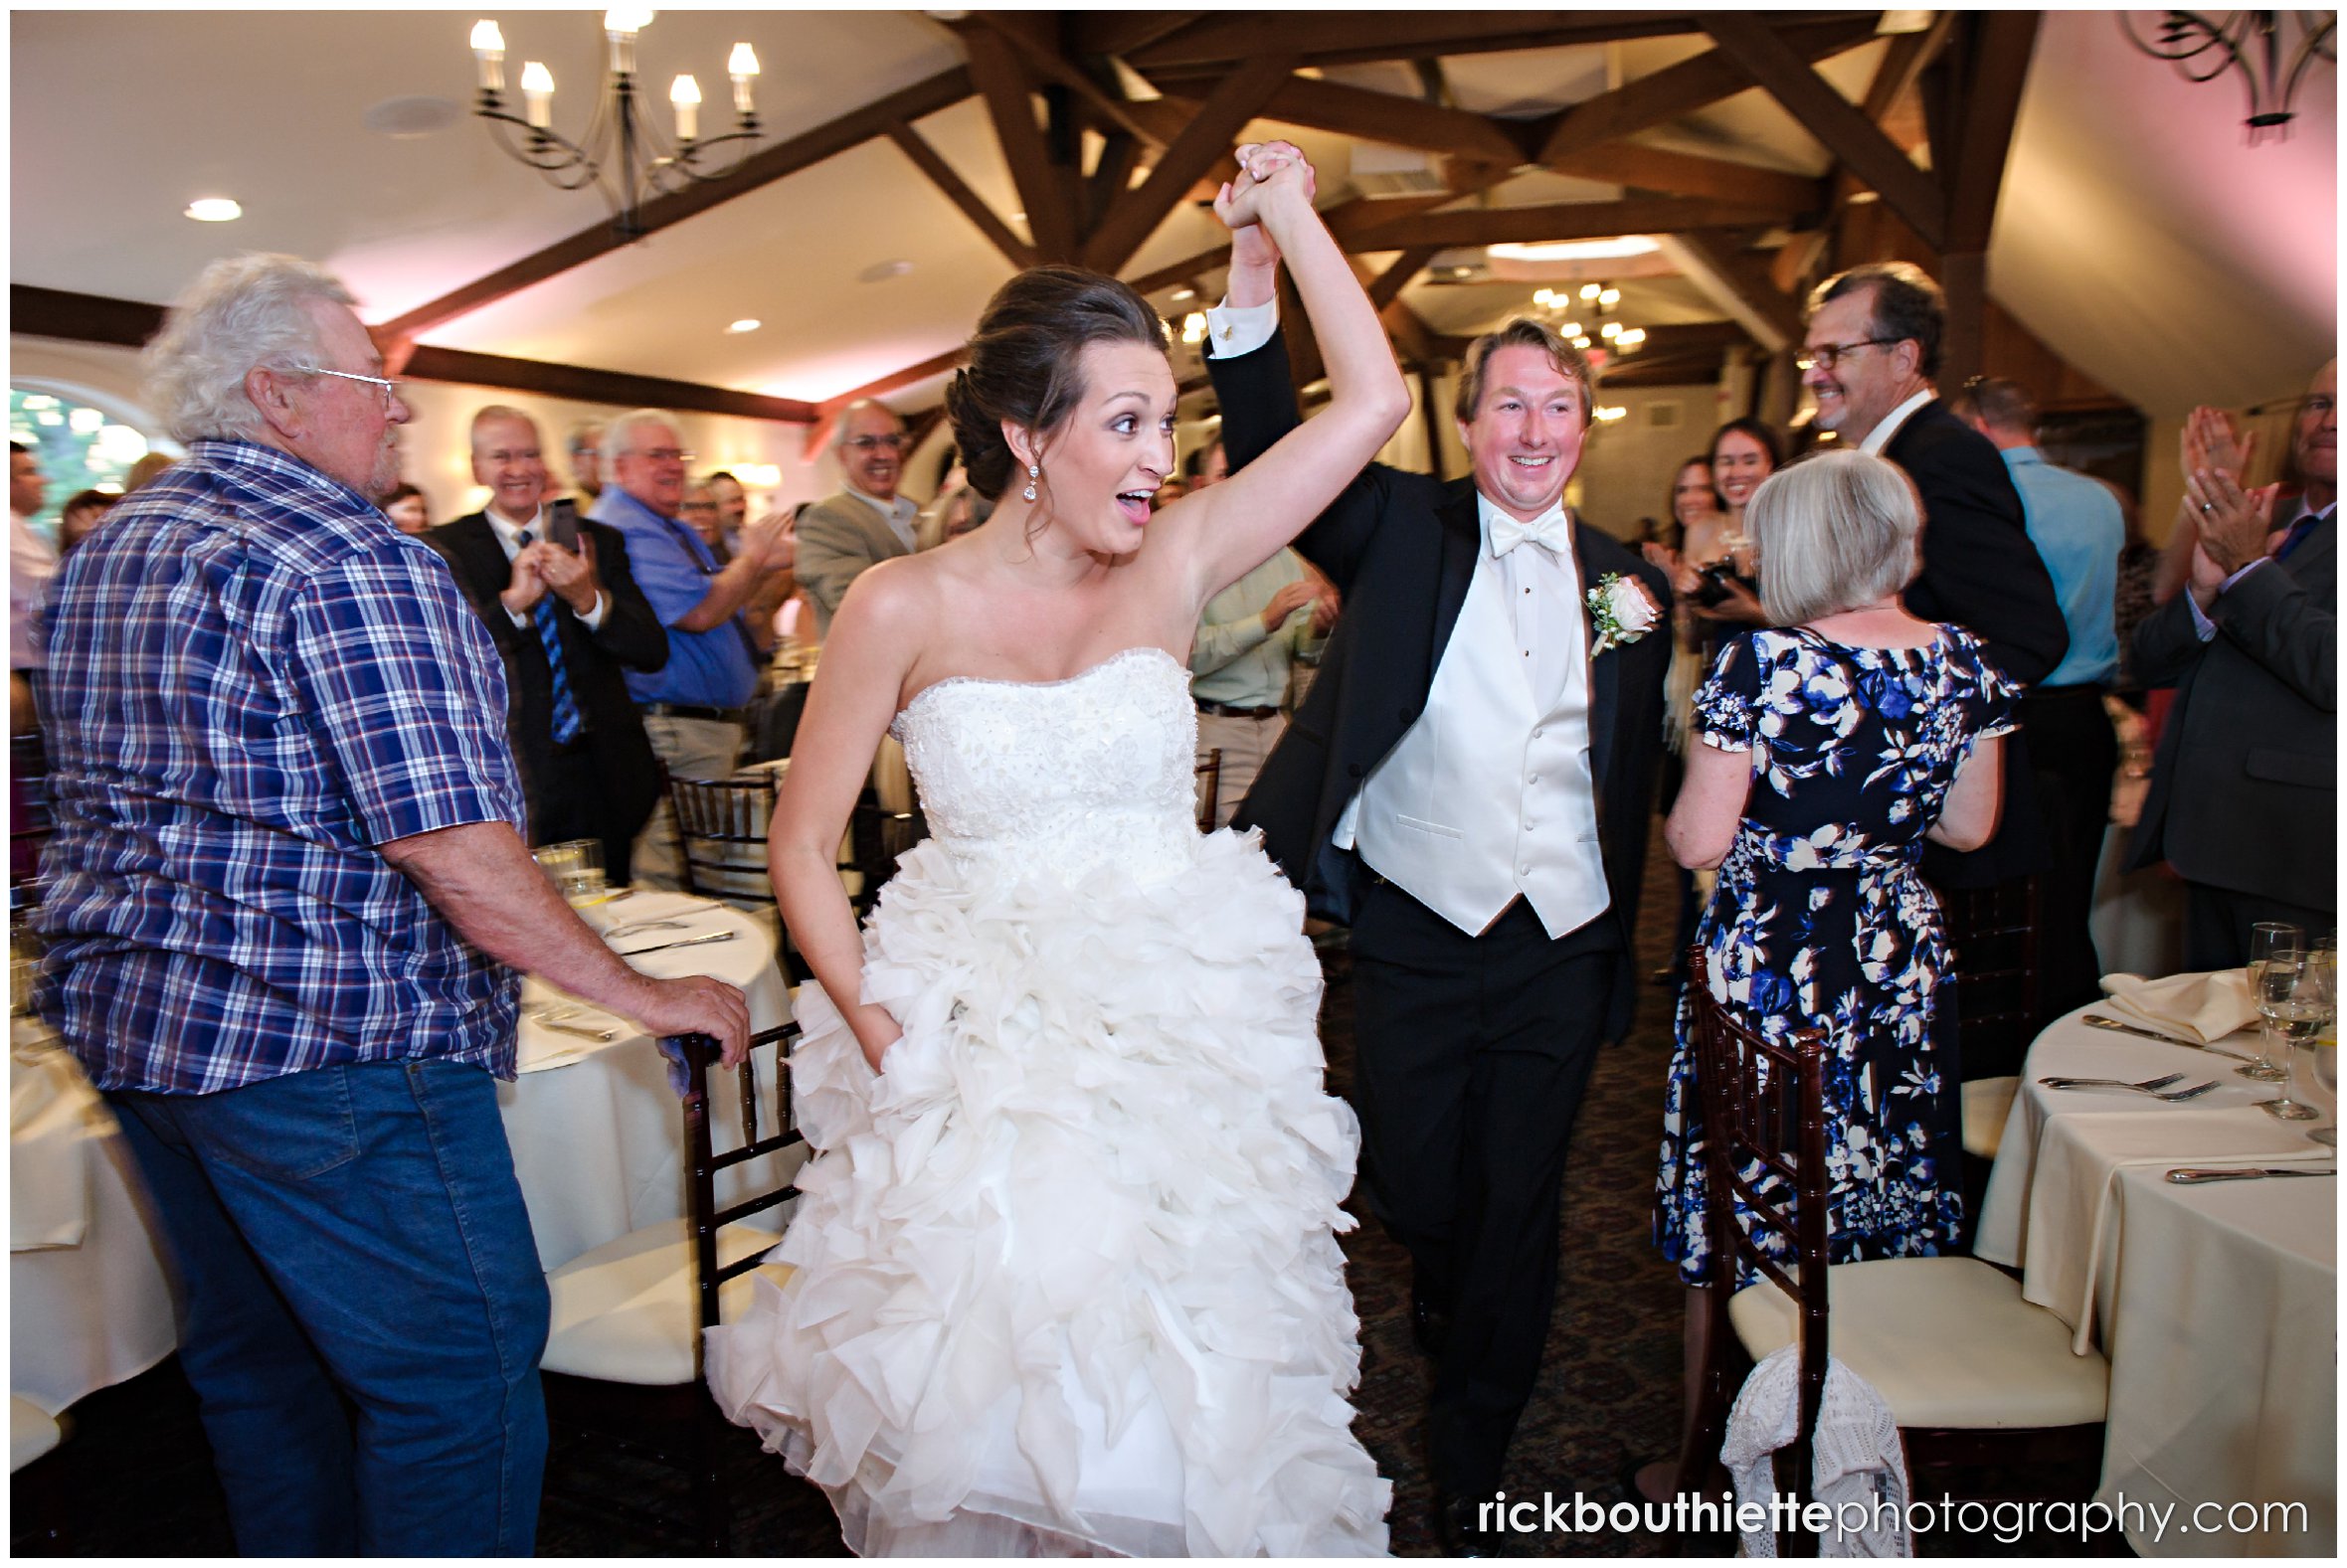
[(2297, 1003), (2276, 953), (2324, 1049)]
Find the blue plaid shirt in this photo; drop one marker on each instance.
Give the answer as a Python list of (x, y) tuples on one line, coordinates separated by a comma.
[(254, 680)]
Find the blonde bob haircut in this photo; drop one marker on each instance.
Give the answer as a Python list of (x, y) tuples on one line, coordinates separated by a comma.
[(1835, 531)]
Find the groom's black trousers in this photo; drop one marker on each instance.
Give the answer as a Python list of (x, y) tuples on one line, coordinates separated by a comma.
[(1471, 1053)]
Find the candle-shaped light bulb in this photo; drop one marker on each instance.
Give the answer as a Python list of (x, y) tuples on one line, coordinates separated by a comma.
[(684, 96), (621, 27), (537, 91), (1589, 291), (489, 48), (742, 66), (1610, 298)]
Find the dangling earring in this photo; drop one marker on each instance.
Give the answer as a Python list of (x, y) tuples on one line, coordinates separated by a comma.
[(1035, 472)]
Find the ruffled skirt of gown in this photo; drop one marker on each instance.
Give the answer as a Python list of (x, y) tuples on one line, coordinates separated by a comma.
[(1067, 1278)]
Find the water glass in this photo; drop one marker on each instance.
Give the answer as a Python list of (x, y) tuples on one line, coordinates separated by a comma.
[(2276, 952), (575, 866)]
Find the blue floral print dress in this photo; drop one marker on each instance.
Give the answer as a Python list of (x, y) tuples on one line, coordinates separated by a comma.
[(1820, 919)]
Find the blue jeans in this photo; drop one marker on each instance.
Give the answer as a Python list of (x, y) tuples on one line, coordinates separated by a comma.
[(356, 1233)]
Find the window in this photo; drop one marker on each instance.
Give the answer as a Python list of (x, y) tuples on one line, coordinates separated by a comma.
[(79, 447)]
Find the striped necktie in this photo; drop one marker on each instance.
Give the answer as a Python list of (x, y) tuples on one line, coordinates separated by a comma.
[(566, 706)]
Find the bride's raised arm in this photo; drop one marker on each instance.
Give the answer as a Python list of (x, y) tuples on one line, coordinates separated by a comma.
[(1233, 527)]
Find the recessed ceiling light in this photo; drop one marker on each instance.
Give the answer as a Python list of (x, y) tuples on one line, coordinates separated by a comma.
[(214, 210), (746, 324), (1180, 294), (1018, 217), (881, 271), (1576, 249)]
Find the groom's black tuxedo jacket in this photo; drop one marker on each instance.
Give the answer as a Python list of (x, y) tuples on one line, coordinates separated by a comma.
[(1400, 547), (629, 637)]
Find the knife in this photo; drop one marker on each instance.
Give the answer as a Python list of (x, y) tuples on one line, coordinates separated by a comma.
[(2191, 1176), (2098, 1021), (688, 942)]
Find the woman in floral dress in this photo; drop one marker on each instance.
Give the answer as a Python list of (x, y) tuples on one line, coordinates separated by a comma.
[(1831, 751)]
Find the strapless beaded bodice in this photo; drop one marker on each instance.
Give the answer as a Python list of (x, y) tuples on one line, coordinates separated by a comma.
[(1061, 779)]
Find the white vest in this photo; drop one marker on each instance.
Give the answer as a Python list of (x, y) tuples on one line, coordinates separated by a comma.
[(1489, 793)]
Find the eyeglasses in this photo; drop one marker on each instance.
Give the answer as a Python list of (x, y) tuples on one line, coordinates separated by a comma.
[(391, 390), (699, 506), (1825, 356), (664, 455), (877, 442)]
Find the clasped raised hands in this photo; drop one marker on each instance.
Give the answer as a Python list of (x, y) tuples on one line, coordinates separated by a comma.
[(542, 566)]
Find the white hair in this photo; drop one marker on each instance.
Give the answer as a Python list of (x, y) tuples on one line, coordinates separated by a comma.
[(241, 312), (1835, 531), (840, 427), (619, 437)]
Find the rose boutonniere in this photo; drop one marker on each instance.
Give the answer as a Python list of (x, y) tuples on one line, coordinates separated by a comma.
[(1622, 610)]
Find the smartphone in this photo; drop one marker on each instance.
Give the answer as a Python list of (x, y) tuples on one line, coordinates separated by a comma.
[(561, 526)]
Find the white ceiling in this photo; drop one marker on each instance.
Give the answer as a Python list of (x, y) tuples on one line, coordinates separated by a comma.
[(2137, 236)]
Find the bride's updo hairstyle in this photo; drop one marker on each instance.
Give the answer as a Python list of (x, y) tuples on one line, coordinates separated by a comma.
[(1025, 362)]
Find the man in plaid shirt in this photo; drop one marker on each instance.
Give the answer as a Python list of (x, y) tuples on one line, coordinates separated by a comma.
[(288, 894)]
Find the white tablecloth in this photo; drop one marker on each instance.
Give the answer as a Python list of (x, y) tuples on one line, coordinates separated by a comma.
[(2215, 1304), (596, 1135), (88, 1299)]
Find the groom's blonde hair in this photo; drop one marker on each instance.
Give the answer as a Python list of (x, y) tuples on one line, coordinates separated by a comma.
[(1523, 333)]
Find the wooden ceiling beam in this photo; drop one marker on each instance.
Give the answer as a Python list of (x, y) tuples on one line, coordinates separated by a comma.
[(1739, 284), (1365, 35), (130, 323), (2001, 46), (1376, 117), (1121, 32), (1633, 164), (999, 72), (1036, 36), (1203, 143), (1664, 96), (579, 384), (1560, 221), (942, 175), (760, 169), (1851, 139), (1385, 288)]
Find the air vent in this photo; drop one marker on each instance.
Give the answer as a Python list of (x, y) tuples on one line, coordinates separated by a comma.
[(1380, 172), (1662, 416)]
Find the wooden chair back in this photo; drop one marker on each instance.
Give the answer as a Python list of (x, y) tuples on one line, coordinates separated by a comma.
[(1764, 1142), (712, 814), (762, 1135), (1993, 944)]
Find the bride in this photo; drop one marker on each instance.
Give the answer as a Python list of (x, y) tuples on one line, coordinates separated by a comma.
[(1066, 1272)]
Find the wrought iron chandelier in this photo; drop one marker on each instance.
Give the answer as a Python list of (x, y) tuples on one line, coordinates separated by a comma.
[(2205, 46), (622, 154), (1586, 319)]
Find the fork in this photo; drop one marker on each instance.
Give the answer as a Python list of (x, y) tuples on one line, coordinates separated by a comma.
[(635, 926), (2147, 1086), (2172, 1096)]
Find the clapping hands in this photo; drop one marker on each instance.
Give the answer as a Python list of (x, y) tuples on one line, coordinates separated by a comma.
[(542, 566)]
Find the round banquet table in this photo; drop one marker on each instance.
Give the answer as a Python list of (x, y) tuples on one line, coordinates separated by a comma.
[(2215, 1304), (596, 1135), (89, 1299)]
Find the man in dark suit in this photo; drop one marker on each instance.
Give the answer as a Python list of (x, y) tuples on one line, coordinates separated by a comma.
[(2245, 791), (567, 622), (1467, 788), (1871, 354)]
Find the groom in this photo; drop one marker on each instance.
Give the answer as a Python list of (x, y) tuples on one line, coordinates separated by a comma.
[(1467, 788)]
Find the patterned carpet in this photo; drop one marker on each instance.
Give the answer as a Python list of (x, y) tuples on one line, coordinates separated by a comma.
[(135, 1478)]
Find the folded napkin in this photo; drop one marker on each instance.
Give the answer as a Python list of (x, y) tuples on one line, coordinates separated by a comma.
[(615, 913), (2078, 1160), (2199, 1009)]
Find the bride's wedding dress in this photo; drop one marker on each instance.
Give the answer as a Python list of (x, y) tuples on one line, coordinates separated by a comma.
[(1066, 1272)]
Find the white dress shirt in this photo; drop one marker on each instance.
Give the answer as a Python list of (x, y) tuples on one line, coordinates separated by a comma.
[(1880, 437), (900, 514)]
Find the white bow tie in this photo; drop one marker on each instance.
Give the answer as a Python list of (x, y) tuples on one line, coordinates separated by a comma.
[(1551, 531)]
